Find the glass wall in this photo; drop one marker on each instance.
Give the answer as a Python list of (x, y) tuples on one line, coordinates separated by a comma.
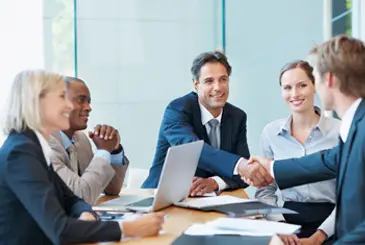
[(135, 56), (59, 34)]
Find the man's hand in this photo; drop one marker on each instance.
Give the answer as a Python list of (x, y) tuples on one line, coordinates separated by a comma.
[(254, 173), (87, 216), (105, 132), (146, 225), (265, 162), (290, 239), (201, 186), (105, 137)]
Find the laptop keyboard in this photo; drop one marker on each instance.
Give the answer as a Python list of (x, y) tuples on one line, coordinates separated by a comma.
[(142, 203)]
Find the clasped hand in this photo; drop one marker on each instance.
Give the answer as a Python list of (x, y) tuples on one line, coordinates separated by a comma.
[(256, 171), (105, 137)]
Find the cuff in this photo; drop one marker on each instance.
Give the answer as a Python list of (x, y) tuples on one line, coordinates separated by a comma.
[(221, 184), (117, 159), (235, 171), (328, 226), (103, 154), (272, 169), (122, 237)]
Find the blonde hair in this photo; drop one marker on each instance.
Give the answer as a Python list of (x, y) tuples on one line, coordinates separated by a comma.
[(344, 57), (23, 108)]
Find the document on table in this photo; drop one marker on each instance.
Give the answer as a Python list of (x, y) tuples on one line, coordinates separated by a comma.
[(212, 201), (210, 194), (249, 225), (208, 230)]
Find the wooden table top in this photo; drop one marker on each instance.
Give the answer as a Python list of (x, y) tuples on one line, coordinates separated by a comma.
[(179, 219)]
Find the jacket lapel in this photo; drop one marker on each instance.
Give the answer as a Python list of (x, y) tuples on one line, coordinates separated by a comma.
[(226, 131), (360, 112), (197, 121), (31, 135)]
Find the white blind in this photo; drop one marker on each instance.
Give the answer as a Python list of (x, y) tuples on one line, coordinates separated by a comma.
[(21, 42)]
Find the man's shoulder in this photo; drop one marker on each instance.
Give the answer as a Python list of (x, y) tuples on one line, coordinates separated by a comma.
[(234, 110), (185, 101)]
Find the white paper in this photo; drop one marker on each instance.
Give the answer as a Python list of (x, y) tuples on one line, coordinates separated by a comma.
[(210, 194), (250, 225), (213, 201), (208, 230)]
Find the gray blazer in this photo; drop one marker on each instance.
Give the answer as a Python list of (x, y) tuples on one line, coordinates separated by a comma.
[(97, 174)]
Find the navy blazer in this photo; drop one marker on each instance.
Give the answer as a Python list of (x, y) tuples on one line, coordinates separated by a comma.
[(346, 162), (182, 124), (36, 205)]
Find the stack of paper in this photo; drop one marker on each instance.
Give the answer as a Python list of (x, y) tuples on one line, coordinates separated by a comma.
[(244, 227)]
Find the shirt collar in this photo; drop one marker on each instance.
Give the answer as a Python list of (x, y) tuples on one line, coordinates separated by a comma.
[(47, 151), (321, 125), (206, 116), (66, 142), (347, 119)]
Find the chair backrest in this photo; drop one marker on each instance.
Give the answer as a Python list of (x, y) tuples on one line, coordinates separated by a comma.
[(136, 176)]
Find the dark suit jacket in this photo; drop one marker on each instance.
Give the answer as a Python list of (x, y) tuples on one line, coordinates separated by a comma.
[(36, 206), (346, 162), (182, 124)]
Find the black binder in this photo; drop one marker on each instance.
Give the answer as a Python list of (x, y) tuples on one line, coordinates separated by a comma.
[(221, 240)]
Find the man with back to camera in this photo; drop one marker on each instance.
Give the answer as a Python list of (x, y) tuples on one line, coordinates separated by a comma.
[(205, 115), (87, 174)]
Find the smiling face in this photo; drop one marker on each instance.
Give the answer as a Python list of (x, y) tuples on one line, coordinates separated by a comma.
[(213, 87), (55, 108), (79, 94), (297, 90)]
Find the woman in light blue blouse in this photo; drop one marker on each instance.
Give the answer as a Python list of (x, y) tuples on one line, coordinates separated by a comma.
[(304, 132)]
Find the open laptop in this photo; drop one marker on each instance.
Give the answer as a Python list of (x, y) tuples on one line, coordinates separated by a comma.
[(176, 177)]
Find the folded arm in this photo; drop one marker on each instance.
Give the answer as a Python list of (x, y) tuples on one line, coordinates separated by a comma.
[(115, 185), (91, 183)]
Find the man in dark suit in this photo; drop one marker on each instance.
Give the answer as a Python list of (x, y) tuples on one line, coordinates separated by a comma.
[(340, 82), (205, 115)]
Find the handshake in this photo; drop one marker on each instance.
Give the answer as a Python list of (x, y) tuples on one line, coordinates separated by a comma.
[(256, 171)]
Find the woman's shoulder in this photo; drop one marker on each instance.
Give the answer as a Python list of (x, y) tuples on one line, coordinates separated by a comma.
[(18, 141), (275, 126)]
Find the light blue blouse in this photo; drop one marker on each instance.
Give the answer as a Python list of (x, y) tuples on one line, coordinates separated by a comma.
[(278, 143)]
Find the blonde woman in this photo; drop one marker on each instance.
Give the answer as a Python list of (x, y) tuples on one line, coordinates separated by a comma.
[(304, 132), (36, 206)]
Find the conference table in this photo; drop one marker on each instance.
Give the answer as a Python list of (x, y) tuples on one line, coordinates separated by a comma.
[(178, 219)]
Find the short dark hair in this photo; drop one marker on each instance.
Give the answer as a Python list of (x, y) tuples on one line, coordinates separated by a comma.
[(69, 79), (209, 57), (301, 64)]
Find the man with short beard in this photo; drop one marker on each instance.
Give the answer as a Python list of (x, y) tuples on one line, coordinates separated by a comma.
[(205, 115), (86, 173)]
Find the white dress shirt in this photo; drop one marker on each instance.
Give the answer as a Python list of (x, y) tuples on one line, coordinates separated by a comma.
[(206, 116), (347, 119), (47, 151)]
